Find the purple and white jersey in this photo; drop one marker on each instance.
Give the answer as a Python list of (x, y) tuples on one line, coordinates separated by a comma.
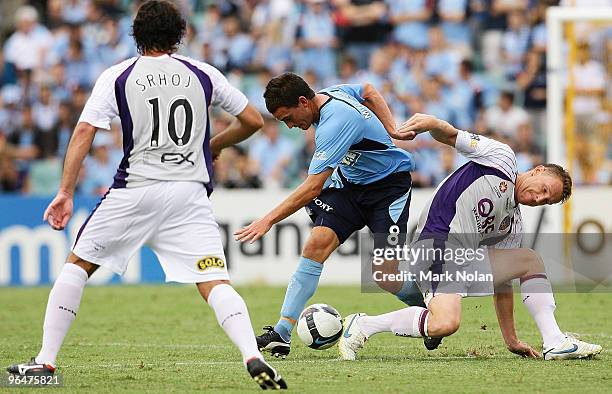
[(163, 106), (475, 204)]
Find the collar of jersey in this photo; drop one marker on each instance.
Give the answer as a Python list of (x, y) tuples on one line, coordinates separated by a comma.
[(164, 56)]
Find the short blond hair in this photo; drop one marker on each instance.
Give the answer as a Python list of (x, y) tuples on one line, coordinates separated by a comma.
[(565, 178)]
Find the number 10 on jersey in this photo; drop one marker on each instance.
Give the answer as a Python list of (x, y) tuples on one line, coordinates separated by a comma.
[(175, 103)]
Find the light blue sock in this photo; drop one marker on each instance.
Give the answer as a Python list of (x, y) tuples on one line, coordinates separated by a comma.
[(284, 328), (301, 287), (410, 294)]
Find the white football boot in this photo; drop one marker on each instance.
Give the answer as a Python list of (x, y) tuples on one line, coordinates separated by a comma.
[(352, 338), (571, 348)]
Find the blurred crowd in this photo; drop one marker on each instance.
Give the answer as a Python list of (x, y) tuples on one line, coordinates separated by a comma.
[(480, 64)]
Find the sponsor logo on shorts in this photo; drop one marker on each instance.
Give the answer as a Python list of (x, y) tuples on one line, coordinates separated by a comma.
[(208, 262), (323, 205), (503, 186), (98, 246)]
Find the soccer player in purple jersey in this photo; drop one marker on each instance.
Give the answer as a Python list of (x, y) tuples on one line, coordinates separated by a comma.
[(159, 196), (476, 208)]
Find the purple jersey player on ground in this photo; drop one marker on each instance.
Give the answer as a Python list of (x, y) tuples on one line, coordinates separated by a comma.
[(476, 208)]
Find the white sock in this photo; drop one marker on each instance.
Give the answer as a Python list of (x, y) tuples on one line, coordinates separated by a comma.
[(233, 317), (407, 322), (62, 307), (538, 298)]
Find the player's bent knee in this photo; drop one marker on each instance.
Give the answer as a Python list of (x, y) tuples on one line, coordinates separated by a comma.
[(206, 287), (90, 268), (321, 242), (444, 315), (535, 264), (443, 326)]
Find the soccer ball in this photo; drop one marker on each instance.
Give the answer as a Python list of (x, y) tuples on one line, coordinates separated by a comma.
[(319, 326)]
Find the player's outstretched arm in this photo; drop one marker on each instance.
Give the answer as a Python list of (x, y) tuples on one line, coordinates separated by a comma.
[(60, 210), (246, 124), (306, 192), (420, 123), (504, 307), (376, 103)]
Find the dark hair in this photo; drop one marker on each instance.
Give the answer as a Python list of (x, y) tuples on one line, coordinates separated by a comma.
[(508, 94), (158, 26), (348, 59), (565, 178), (285, 90), (468, 65)]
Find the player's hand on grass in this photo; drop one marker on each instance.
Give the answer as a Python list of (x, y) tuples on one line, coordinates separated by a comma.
[(417, 124), (59, 211), (523, 349), (253, 231)]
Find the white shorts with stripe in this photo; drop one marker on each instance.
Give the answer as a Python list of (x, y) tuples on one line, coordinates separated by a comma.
[(175, 219)]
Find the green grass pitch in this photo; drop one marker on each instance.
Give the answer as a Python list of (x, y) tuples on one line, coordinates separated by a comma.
[(165, 338)]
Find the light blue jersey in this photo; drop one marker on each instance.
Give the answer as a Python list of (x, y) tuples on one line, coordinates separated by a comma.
[(352, 140)]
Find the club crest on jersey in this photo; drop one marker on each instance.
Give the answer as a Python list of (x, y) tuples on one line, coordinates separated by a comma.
[(503, 186), (505, 223), (207, 262), (350, 158)]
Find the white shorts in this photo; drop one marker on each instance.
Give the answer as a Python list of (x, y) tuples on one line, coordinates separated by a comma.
[(438, 274), (174, 219)]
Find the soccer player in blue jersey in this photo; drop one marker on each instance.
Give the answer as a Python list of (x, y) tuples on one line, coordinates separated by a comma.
[(357, 177)]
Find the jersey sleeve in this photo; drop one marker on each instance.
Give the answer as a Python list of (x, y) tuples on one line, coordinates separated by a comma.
[(224, 94), (101, 107), (354, 90), (332, 141), (488, 152)]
